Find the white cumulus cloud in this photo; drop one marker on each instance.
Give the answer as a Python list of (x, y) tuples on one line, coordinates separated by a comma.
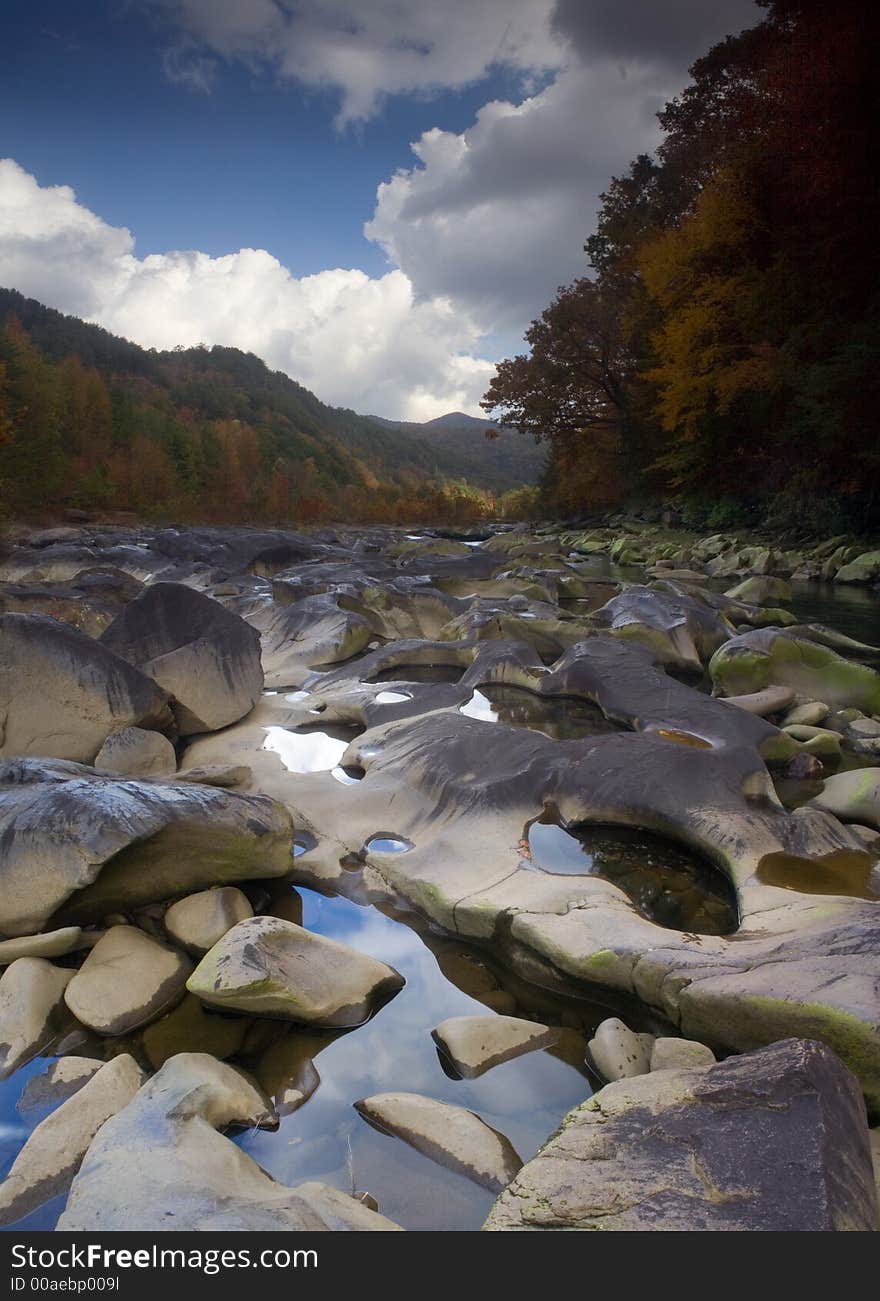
[(355, 340)]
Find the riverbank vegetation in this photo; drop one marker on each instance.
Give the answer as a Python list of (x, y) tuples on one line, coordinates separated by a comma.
[(722, 350)]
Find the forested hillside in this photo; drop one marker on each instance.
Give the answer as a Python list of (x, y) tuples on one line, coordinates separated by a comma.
[(92, 421), (503, 460), (723, 348)]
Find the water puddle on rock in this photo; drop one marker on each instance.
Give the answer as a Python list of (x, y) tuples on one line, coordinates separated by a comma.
[(561, 717), (419, 673), (306, 750), (853, 873), (667, 883)]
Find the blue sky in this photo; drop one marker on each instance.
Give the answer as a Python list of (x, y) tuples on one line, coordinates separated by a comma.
[(206, 127)]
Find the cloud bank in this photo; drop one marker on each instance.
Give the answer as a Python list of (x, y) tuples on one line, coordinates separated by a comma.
[(356, 341), (479, 232)]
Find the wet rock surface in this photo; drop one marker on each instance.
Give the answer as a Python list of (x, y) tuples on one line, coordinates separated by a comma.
[(564, 781)]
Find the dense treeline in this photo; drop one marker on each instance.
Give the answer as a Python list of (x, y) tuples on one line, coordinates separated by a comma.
[(724, 350), (93, 422)]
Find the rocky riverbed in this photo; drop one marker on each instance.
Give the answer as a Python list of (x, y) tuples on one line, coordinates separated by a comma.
[(356, 879)]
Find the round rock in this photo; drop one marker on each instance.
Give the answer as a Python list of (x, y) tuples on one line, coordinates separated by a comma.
[(202, 919), (670, 1054), (618, 1052), (137, 753), (270, 967)]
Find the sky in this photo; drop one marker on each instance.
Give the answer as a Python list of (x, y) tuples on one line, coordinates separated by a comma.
[(374, 196)]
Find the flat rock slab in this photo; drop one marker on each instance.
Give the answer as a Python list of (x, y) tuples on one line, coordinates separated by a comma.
[(128, 979), (62, 693), (51, 944), (31, 1010), (449, 1135), (266, 966), (160, 1165), (774, 1140), (474, 1044), (202, 919), (52, 1155)]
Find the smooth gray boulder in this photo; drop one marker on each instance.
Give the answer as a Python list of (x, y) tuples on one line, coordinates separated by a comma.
[(474, 1044), (62, 693), (266, 966), (159, 1165), (203, 655), (32, 1010), (200, 920), (81, 844), (128, 979), (137, 753), (772, 1141), (54, 1151), (449, 1135)]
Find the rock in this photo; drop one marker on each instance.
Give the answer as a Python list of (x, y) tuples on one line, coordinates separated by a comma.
[(32, 1010), (474, 1044), (127, 979), (137, 753), (266, 966), (53, 1153), (449, 1135), (82, 845), (62, 693), (58, 1082), (863, 569), (51, 944), (203, 655), (772, 700), (774, 1141), (811, 714), (775, 657), (852, 796), (227, 775), (679, 1054), (617, 1052), (200, 920), (188, 1027), (160, 1165), (761, 591)]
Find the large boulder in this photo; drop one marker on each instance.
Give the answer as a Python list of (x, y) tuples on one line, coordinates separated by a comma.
[(266, 966), (202, 654), (852, 796), (53, 1153), (62, 694), (72, 837), (32, 1010), (770, 656), (128, 979), (450, 1135), (774, 1140), (863, 569), (160, 1165)]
